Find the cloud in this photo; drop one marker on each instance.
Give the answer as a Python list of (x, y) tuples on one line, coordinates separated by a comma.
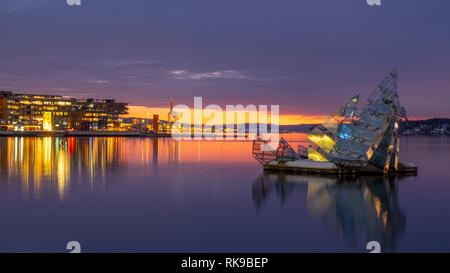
[(94, 80), (223, 74), (125, 63), (17, 5), (98, 81)]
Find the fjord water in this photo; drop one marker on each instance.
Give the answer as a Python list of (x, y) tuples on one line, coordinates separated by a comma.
[(161, 195)]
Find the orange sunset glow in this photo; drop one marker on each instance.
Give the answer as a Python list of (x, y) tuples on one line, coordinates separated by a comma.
[(284, 119)]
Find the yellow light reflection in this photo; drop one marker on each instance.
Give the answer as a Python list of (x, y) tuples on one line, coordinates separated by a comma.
[(43, 166), (63, 172), (325, 142), (377, 204), (315, 155), (47, 123)]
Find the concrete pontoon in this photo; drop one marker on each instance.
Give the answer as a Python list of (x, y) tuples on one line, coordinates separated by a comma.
[(307, 166)]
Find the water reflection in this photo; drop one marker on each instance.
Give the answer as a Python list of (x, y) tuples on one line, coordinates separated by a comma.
[(151, 195), (360, 209), (50, 163), (56, 165)]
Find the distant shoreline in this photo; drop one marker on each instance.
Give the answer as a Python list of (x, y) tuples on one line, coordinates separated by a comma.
[(430, 127), (135, 134)]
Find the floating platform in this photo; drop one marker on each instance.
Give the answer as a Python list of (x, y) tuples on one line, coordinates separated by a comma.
[(328, 168), (81, 134), (350, 142)]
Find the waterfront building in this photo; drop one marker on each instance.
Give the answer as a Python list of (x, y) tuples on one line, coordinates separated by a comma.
[(145, 124), (30, 112)]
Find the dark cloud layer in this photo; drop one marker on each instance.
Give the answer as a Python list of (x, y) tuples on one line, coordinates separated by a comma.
[(309, 56)]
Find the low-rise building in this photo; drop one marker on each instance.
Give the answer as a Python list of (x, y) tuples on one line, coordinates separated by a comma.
[(57, 113)]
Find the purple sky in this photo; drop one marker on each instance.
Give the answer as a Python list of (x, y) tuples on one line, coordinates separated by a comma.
[(308, 56)]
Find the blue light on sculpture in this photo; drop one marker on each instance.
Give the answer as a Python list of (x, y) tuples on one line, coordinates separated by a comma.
[(345, 132)]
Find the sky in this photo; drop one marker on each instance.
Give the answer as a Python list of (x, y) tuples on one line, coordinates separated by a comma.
[(307, 56)]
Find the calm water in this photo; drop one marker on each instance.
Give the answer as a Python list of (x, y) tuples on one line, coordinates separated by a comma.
[(144, 195)]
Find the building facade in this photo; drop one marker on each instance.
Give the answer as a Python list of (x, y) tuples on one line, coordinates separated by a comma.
[(57, 113)]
